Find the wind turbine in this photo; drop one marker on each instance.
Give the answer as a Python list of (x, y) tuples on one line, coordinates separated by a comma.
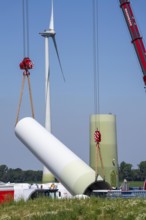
[(47, 175)]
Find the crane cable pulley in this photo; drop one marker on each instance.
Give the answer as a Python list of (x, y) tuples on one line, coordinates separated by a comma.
[(26, 63)]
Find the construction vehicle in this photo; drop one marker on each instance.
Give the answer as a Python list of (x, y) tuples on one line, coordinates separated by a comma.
[(135, 35), (25, 191)]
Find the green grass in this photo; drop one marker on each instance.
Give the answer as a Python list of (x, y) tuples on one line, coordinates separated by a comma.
[(134, 183), (67, 209)]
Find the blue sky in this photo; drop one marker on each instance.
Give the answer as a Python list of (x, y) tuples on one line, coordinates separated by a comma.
[(121, 86)]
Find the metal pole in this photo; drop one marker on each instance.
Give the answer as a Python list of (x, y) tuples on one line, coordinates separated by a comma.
[(47, 87)]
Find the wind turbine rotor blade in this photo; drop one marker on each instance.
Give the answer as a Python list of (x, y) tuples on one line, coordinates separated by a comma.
[(51, 26), (54, 40)]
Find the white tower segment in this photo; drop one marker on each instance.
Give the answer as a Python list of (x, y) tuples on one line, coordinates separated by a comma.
[(47, 176), (75, 175)]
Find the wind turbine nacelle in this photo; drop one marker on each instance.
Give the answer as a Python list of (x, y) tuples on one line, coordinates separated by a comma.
[(48, 33)]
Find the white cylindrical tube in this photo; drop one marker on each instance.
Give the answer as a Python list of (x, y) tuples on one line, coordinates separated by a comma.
[(67, 167)]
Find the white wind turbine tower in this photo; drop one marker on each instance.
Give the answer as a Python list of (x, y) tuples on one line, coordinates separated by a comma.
[(47, 175)]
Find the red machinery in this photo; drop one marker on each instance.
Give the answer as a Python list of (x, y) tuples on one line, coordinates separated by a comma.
[(135, 35), (97, 136), (26, 64), (6, 193)]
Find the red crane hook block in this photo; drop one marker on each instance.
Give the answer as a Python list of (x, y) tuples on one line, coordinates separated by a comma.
[(26, 64), (97, 136)]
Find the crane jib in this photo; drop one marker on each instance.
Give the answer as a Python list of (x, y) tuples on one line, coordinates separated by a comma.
[(135, 35)]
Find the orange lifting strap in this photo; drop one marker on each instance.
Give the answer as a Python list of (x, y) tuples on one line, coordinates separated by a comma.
[(25, 65), (97, 138)]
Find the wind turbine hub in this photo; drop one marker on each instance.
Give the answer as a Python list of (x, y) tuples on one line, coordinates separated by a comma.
[(51, 31)]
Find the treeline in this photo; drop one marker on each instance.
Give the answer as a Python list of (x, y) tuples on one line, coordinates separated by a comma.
[(126, 172), (19, 176)]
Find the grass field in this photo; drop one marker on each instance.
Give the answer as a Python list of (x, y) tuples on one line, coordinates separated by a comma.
[(67, 209), (135, 183)]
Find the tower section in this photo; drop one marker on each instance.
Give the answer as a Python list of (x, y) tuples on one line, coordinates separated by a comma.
[(108, 167)]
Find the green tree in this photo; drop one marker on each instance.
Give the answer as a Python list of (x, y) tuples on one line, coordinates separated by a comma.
[(142, 169), (3, 172), (125, 171), (18, 176), (136, 176)]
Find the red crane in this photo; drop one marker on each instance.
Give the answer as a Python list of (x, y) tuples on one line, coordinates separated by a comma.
[(135, 35)]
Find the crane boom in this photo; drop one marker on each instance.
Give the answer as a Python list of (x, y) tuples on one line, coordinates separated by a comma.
[(135, 35)]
